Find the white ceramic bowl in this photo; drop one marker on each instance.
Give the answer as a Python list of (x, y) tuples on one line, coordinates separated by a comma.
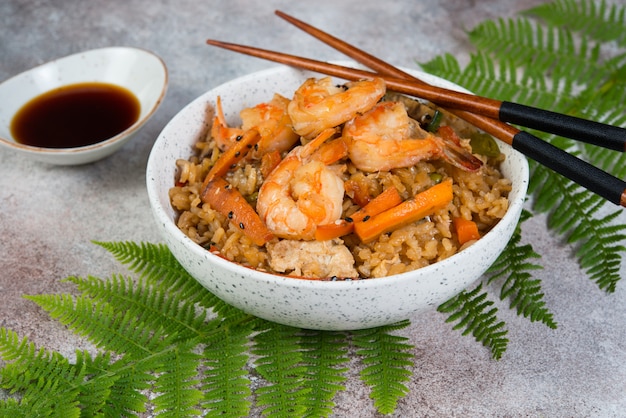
[(340, 305), (137, 70)]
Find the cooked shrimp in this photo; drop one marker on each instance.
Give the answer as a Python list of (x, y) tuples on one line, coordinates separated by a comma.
[(386, 137), (303, 191), (223, 135), (273, 123), (318, 104)]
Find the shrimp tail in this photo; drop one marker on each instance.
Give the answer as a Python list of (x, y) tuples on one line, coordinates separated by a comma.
[(452, 151)]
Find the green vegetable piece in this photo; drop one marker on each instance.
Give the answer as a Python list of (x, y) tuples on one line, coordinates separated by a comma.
[(435, 122), (484, 144), (436, 177)]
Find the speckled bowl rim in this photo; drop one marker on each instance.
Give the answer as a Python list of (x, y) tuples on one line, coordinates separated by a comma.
[(516, 202), (131, 130)]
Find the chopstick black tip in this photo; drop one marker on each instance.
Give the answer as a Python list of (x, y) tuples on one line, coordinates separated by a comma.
[(591, 132), (586, 175)]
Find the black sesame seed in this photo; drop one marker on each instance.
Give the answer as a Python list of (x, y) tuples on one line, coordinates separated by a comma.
[(230, 215), (238, 138), (349, 219), (241, 225), (366, 218), (237, 154)]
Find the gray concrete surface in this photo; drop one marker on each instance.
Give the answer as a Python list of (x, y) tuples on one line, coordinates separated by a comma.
[(48, 214)]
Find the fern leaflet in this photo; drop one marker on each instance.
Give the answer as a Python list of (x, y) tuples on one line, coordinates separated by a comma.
[(524, 292), (475, 315), (387, 361), (156, 263), (322, 354), (280, 364), (176, 382), (225, 383), (595, 19)]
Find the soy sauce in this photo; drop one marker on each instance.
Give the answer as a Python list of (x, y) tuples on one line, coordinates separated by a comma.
[(75, 115)]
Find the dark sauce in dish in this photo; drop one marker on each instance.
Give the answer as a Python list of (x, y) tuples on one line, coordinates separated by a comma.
[(75, 115)]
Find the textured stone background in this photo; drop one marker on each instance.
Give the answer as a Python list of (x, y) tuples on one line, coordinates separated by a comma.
[(48, 214)]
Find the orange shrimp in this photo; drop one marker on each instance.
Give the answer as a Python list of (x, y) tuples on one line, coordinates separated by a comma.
[(304, 190), (223, 135), (273, 123), (319, 104), (385, 137)]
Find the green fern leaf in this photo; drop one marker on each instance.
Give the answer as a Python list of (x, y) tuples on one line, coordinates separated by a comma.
[(11, 408), (598, 20), (528, 45), (47, 382), (387, 360), (280, 364), (225, 385), (156, 263), (176, 382), (322, 354), (104, 325), (475, 316), (514, 267), (149, 304), (132, 379), (96, 388), (488, 73)]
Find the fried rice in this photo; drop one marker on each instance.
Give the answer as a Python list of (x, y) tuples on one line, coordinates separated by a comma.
[(481, 196)]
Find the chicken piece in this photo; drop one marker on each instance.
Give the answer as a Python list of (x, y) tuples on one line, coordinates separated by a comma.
[(319, 259)]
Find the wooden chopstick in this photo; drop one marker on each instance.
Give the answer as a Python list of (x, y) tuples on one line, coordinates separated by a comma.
[(496, 128), (577, 170), (596, 133)]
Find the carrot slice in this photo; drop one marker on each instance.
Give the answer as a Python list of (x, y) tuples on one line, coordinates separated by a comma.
[(386, 200), (421, 205), (333, 230), (229, 202), (232, 155), (466, 230)]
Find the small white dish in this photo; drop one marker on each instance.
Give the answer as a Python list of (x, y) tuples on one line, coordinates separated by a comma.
[(313, 304), (141, 72)]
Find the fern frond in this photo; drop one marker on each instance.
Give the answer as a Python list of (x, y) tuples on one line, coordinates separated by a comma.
[(514, 266), (149, 304), (598, 20), (226, 385), (323, 352), (96, 388), (132, 379), (528, 45), (475, 316), (48, 383), (176, 382), (103, 325), (156, 263), (600, 254), (280, 364), (387, 359), (11, 408)]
